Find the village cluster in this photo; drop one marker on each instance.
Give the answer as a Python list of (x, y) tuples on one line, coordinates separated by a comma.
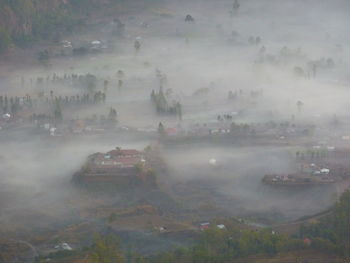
[(58, 104), (166, 127)]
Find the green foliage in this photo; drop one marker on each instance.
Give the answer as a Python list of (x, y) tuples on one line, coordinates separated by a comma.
[(220, 246), (48, 25), (60, 256), (161, 129), (34, 19), (139, 167), (151, 178), (23, 9), (23, 40), (44, 57), (106, 250), (58, 112), (80, 51), (5, 40), (112, 115), (324, 245), (90, 82), (163, 106), (332, 233)]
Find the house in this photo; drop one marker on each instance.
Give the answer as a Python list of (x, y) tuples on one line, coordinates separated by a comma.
[(124, 166), (97, 45), (66, 44), (171, 131), (204, 226), (118, 159), (307, 241)]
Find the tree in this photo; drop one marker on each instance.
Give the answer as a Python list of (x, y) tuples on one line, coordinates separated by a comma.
[(112, 115), (106, 250), (162, 104), (333, 231), (5, 40), (137, 46), (161, 129), (58, 112), (335, 121), (299, 72), (44, 57), (341, 222), (236, 6), (105, 86), (300, 104), (153, 96), (91, 82), (179, 110)]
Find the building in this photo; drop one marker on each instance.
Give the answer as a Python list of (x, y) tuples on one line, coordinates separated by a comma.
[(204, 226), (118, 159), (124, 166)]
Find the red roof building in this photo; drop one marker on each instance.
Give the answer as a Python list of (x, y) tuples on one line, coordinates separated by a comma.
[(118, 159), (125, 153), (307, 241), (123, 167)]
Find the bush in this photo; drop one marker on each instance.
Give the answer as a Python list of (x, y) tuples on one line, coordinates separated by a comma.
[(323, 245), (80, 51), (22, 40)]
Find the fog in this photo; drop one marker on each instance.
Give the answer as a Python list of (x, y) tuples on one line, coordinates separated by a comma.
[(234, 183), (202, 61)]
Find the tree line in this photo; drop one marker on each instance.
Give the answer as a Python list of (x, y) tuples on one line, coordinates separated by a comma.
[(331, 234)]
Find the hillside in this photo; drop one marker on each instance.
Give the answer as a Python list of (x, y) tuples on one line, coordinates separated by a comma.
[(24, 21)]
